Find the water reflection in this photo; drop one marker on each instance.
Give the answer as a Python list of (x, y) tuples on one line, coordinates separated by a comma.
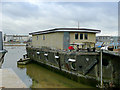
[(43, 78), (10, 61)]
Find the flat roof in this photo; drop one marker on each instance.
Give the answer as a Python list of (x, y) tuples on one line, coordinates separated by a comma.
[(66, 30)]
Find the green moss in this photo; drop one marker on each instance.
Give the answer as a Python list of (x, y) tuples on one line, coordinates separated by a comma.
[(44, 78)]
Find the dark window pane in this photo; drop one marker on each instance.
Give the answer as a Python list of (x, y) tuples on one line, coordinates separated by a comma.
[(86, 36), (81, 36), (37, 37), (43, 37), (76, 35)]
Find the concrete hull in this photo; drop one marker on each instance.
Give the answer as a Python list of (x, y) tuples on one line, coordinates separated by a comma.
[(83, 67)]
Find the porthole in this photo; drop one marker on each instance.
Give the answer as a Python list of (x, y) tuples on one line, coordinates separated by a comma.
[(105, 62), (73, 66), (80, 66)]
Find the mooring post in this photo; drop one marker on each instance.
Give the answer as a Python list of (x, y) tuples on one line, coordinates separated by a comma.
[(101, 67)]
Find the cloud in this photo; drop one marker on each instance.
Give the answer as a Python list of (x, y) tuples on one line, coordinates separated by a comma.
[(25, 17)]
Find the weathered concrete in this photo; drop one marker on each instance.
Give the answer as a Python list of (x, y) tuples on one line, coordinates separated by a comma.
[(8, 79), (84, 64)]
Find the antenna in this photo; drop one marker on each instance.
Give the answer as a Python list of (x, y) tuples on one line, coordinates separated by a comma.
[(78, 24)]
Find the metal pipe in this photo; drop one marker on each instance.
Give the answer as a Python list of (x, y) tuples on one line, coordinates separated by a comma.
[(101, 67)]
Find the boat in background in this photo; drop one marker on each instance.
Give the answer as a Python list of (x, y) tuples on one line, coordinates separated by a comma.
[(2, 51)]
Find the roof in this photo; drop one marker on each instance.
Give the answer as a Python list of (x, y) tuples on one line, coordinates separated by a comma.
[(66, 30)]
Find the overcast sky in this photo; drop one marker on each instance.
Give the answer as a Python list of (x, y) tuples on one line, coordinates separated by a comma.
[(26, 17)]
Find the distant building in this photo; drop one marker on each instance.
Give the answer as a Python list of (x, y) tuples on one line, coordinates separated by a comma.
[(113, 41), (105, 39), (61, 38), (16, 38)]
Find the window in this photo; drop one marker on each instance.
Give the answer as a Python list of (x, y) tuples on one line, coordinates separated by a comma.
[(37, 37), (81, 36), (76, 35), (86, 36), (43, 37)]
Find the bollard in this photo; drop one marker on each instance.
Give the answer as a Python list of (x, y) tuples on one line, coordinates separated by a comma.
[(23, 56)]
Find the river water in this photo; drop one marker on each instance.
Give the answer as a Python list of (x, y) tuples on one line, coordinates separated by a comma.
[(33, 75)]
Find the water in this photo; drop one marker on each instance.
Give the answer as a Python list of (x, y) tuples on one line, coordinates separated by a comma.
[(10, 61), (33, 75)]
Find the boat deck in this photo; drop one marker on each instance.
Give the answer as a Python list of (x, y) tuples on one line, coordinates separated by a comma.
[(115, 53)]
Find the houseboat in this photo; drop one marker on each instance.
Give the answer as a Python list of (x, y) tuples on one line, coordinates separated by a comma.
[(61, 38), (50, 48)]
